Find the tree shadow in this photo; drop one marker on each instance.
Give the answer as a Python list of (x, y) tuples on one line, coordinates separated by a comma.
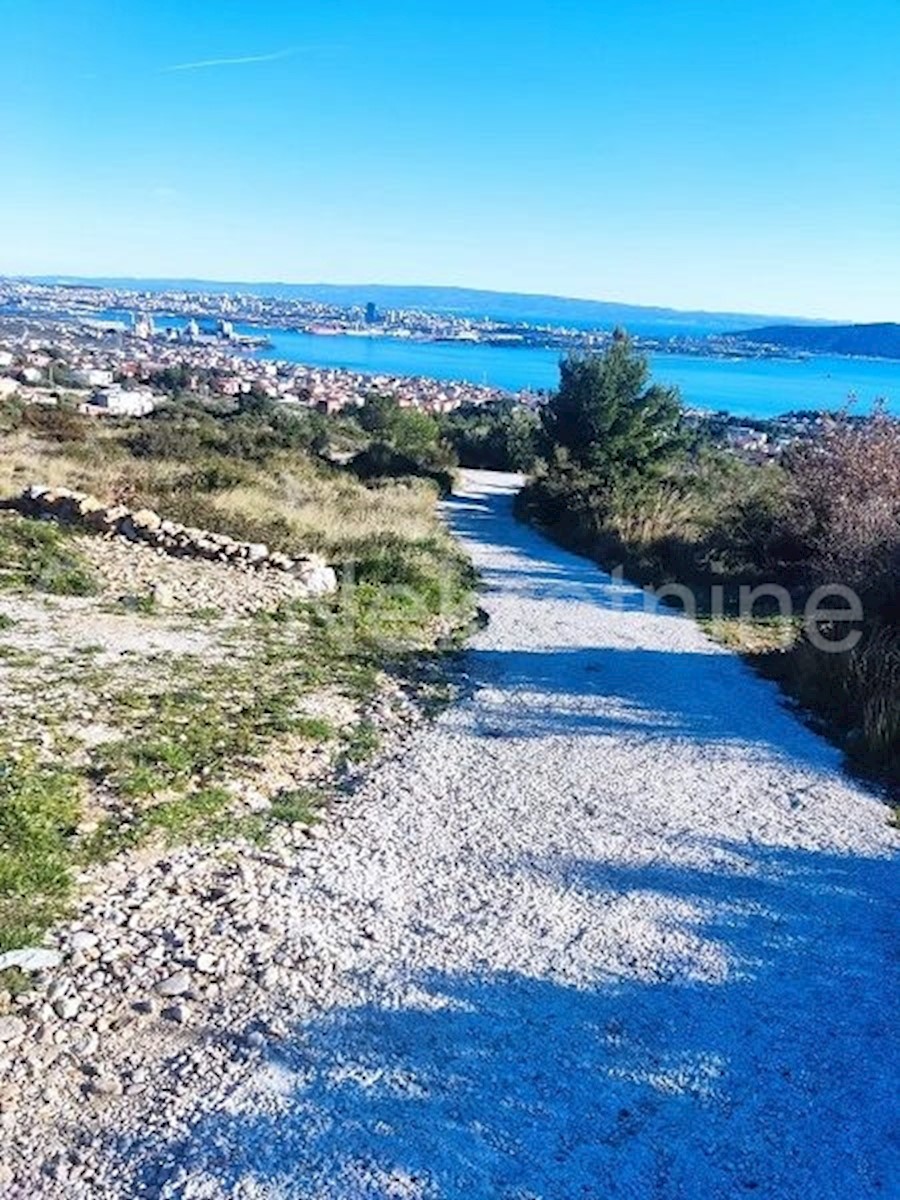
[(750, 1057), (642, 672)]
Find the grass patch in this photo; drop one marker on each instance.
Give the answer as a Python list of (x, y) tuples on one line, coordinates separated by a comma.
[(361, 743), (39, 808), (761, 635), (201, 814), (171, 736), (39, 556), (14, 657)]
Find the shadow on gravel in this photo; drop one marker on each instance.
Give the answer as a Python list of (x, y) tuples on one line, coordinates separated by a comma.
[(575, 686), (657, 694), (775, 1080), (543, 569)]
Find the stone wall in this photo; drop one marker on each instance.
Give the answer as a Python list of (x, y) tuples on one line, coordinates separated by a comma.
[(170, 537)]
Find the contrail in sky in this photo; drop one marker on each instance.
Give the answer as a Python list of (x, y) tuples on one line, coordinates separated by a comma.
[(203, 64)]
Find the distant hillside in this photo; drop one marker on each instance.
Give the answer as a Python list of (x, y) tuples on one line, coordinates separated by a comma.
[(881, 340), (501, 306)]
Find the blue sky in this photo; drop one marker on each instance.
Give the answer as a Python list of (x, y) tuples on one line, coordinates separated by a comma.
[(695, 153)]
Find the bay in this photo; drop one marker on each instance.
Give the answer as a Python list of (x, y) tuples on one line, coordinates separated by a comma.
[(761, 387)]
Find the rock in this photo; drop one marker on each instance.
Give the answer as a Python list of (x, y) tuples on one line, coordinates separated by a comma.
[(31, 958), (83, 940), (269, 978), (145, 520), (205, 963), (161, 595), (127, 528), (57, 1168), (255, 1040), (11, 1029), (57, 989), (256, 552), (177, 1013), (88, 505), (256, 801), (67, 1007), (281, 562), (318, 580), (105, 1085), (175, 985), (87, 1045)]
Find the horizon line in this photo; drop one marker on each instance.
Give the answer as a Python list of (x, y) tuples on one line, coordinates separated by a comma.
[(62, 277)]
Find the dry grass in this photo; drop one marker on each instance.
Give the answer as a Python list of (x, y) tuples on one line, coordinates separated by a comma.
[(329, 514), (754, 636), (99, 465), (294, 503)]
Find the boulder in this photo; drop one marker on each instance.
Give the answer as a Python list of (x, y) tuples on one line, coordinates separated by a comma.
[(11, 1029), (30, 958), (318, 579), (145, 520)]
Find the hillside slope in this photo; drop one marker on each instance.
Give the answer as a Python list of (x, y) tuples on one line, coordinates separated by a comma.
[(879, 340)]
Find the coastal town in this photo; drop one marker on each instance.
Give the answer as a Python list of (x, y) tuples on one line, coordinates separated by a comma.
[(109, 304), (62, 348), (126, 369)]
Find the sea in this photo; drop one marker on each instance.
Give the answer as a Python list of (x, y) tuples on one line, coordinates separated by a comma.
[(759, 387)]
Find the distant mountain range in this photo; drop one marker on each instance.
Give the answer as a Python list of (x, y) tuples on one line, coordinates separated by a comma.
[(474, 302), (879, 340)]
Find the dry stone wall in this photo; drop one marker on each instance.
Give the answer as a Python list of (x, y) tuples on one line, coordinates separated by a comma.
[(145, 525)]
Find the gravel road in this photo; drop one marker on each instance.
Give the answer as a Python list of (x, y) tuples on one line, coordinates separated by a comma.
[(615, 925)]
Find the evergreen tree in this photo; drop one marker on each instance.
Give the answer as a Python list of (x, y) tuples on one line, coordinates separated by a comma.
[(608, 417)]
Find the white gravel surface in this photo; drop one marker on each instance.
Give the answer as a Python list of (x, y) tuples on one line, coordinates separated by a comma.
[(615, 925)]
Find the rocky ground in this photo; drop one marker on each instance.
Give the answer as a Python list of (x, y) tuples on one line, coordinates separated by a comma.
[(136, 573), (616, 924)]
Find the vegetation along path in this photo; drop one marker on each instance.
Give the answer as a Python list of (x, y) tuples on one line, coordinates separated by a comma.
[(615, 924)]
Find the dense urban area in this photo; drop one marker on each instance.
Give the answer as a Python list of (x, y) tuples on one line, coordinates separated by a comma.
[(311, 316), (59, 345)]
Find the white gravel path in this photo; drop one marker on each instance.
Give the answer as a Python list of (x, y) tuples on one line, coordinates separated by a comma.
[(614, 926)]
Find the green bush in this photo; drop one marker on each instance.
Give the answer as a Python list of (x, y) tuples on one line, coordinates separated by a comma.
[(502, 436)]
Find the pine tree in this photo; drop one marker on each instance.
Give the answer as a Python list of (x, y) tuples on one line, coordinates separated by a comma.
[(608, 417)]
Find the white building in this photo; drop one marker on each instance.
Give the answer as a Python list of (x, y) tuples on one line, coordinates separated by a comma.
[(117, 402), (92, 377)]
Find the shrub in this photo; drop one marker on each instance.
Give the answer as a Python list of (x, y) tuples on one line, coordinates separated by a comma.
[(845, 509), (497, 437)]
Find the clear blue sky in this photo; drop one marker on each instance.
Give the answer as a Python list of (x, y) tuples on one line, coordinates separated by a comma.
[(695, 153)]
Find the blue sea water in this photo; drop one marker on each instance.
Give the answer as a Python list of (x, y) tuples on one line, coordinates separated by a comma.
[(744, 387)]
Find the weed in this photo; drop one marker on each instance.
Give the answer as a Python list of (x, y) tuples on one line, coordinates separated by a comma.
[(39, 808), (39, 555), (360, 743)]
